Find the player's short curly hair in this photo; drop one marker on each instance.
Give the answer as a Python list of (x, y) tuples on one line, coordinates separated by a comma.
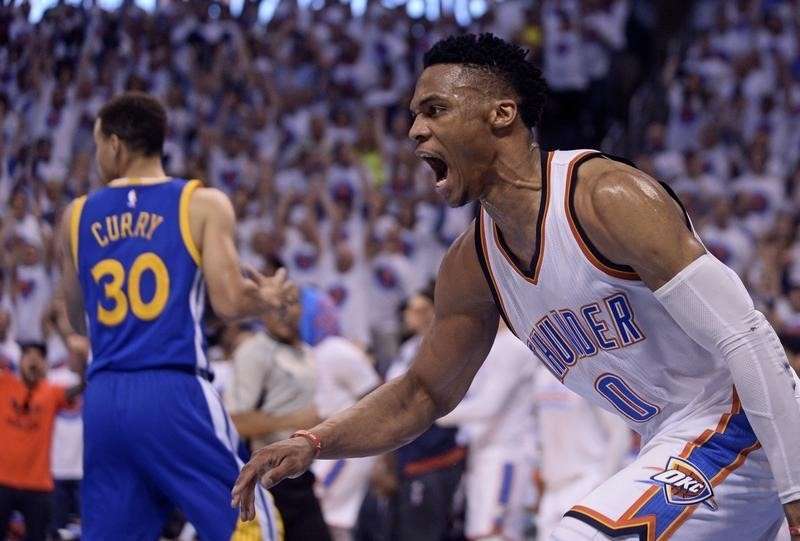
[(138, 119), (506, 61)]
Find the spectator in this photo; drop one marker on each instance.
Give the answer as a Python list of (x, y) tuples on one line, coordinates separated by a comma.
[(28, 408), (67, 453), (274, 373), (495, 416), (430, 467), (344, 375), (10, 351)]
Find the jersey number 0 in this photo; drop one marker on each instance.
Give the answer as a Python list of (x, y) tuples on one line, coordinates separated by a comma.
[(114, 294)]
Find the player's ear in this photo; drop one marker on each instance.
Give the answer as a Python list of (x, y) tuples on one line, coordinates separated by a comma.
[(115, 142), (503, 114)]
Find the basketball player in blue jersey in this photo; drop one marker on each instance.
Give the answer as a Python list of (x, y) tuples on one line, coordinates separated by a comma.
[(596, 267), (138, 257)]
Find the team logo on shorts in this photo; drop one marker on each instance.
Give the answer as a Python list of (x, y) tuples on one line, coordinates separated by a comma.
[(685, 484)]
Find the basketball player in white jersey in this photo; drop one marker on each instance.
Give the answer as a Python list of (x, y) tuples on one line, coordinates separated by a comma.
[(596, 268), (575, 461), (494, 417)]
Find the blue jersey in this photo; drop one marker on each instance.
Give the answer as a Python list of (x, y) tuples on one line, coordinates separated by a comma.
[(139, 270)]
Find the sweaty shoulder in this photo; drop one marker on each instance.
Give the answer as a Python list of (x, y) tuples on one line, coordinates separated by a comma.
[(208, 205), (461, 285), (633, 220)]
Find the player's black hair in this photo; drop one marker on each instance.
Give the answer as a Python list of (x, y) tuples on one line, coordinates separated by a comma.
[(138, 119), (505, 61), (41, 347)]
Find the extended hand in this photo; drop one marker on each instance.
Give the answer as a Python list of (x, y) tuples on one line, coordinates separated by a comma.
[(270, 465), (276, 291)]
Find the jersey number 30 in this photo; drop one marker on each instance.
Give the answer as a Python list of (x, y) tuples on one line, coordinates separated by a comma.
[(112, 288)]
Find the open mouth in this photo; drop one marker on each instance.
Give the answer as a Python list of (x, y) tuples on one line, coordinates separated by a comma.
[(439, 167)]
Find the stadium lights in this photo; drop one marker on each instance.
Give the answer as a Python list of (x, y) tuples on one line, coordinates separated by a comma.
[(464, 11)]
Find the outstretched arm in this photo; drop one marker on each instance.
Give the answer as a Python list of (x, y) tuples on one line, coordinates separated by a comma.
[(632, 220), (233, 295), (397, 412)]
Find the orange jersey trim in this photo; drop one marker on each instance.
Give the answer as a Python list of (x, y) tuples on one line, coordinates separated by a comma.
[(648, 522), (576, 233), (533, 277)]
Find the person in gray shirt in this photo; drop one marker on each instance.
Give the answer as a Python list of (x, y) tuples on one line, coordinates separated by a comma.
[(273, 373)]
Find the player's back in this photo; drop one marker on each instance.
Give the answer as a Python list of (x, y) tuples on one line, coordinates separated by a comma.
[(139, 271)]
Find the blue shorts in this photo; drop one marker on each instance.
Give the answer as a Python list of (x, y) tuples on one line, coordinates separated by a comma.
[(156, 440)]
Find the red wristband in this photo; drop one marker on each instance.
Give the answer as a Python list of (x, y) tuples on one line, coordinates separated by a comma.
[(313, 439), (794, 530)]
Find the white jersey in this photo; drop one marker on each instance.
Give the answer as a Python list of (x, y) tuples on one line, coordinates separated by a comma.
[(595, 325), (344, 375), (596, 444), (496, 413), (66, 456), (496, 417)]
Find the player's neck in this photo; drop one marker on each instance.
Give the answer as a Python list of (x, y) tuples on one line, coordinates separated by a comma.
[(514, 197), (145, 169)]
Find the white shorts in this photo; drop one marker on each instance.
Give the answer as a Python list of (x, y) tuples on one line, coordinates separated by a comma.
[(341, 486), (498, 491), (715, 486)]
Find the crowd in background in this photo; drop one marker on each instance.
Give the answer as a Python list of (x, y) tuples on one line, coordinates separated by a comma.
[(303, 122)]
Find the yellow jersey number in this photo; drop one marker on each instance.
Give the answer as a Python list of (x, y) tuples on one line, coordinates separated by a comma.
[(144, 310)]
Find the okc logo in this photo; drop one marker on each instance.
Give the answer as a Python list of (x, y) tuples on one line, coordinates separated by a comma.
[(685, 484)]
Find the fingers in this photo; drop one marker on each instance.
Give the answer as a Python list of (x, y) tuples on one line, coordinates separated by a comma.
[(286, 468), (280, 276), (244, 480), (252, 273)]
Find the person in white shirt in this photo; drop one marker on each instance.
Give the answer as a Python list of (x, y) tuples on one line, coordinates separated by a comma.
[(495, 418), (32, 291), (66, 458), (344, 375), (580, 444), (343, 280)]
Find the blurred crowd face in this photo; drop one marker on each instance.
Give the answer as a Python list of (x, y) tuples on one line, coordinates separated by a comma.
[(452, 132), (32, 366), (345, 259), (19, 205), (418, 314), (285, 325)]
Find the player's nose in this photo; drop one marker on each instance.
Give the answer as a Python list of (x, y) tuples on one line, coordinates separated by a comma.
[(419, 131)]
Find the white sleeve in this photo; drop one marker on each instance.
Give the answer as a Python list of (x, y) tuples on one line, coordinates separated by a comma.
[(710, 303)]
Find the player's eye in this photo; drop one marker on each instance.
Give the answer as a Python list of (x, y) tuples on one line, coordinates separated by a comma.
[(436, 110)]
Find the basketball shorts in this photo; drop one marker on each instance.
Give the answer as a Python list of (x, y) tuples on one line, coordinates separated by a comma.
[(157, 440), (341, 487), (706, 479)]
